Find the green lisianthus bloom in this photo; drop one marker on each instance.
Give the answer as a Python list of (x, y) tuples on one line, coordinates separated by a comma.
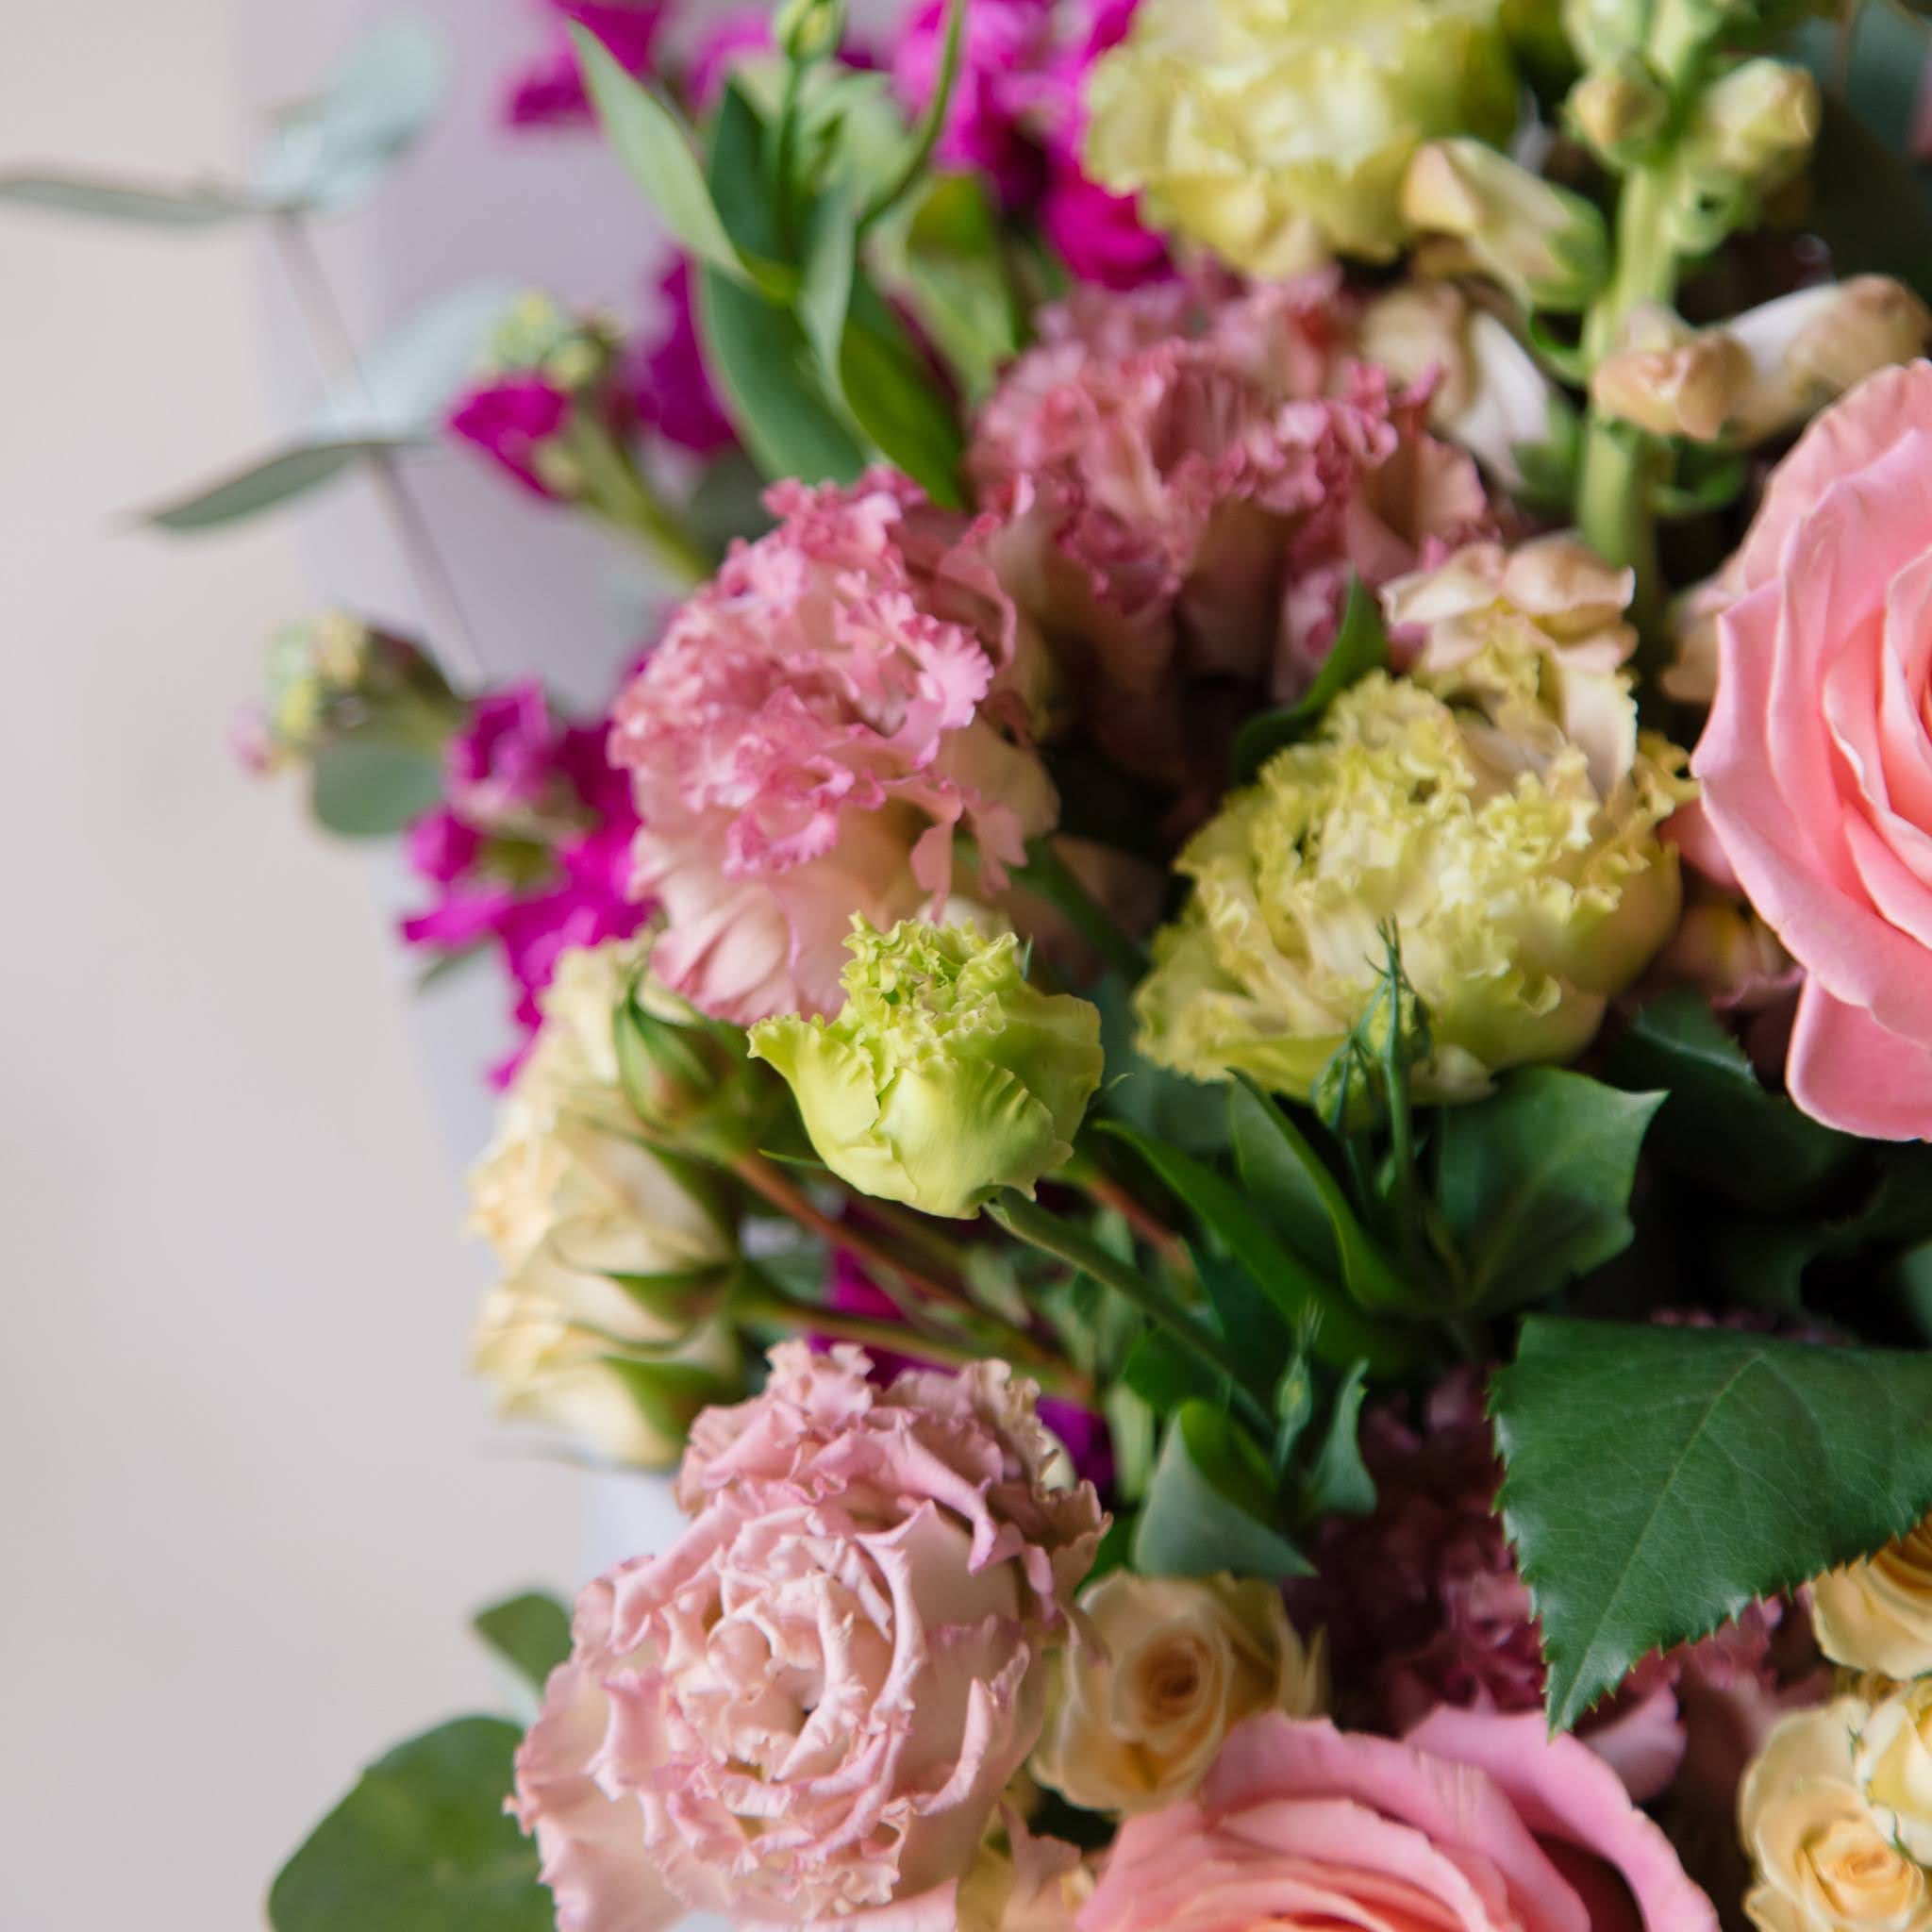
[(1498, 808), (944, 1076)]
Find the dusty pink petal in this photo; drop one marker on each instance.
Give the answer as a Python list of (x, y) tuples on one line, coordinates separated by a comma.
[(1848, 1072), (1563, 1792), (1642, 1743)]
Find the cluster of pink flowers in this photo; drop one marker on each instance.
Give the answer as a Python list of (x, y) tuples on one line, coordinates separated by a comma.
[(531, 851), (548, 91), (818, 725), (808, 1707), (1186, 477)]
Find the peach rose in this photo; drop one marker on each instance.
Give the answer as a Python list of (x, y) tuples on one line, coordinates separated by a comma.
[(1474, 1823), (1817, 761), (808, 1707)]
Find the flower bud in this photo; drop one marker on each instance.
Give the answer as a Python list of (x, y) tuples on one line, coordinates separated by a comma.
[(1489, 396), (1673, 380), (688, 1079), (1751, 134), (1807, 348), (1619, 110), (944, 1077), (1548, 246), (809, 30), (333, 678)]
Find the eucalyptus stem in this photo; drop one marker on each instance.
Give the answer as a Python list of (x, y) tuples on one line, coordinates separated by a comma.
[(1027, 1221)]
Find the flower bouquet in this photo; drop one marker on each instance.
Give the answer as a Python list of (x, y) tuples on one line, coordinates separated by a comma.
[(1229, 1038)]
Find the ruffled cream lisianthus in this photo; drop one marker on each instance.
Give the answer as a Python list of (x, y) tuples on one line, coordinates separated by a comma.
[(1497, 807), (1135, 1720), (575, 1206), (1276, 132)]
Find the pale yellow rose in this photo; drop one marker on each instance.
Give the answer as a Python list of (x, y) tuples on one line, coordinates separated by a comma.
[(1876, 1614), (603, 1323), (1895, 1766), (1826, 1861), (1275, 131), (1135, 1720)]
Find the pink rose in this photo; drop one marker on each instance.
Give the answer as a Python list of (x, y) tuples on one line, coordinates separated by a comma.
[(818, 722), (807, 1708), (1817, 761), (1475, 1822)]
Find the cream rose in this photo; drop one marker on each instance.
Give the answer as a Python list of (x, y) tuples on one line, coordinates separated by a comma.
[(580, 1212), (1876, 1614), (1894, 1766), (1134, 1719), (1824, 1858)]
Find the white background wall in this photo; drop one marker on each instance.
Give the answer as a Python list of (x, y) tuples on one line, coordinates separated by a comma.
[(246, 1493)]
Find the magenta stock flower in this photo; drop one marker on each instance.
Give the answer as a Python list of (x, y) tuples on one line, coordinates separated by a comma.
[(671, 387), (807, 1708), (509, 418), (531, 851), (817, 725), (1188, 478), (549, 92)]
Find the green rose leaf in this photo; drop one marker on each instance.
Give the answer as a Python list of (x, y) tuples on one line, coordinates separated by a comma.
[(1719, 1124), (1659, 1479), (1534, 1183), (1360, 646), (422, 1844), (1210, 1505), (530, 1633)]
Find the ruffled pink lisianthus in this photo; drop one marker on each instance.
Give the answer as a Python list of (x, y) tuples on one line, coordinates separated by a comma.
[(807, 1709), (1817, 761), (1476, 1824), (818, 724), (529, 853), (1187, 479)]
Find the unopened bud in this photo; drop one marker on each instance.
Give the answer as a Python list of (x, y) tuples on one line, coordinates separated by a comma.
[(1807, 348), (1692, 388), (688, 1079), (332, 677), (1756, 124), (536, 336), (1619, 111), (1490, 395), (809, 30), (1548, 246)]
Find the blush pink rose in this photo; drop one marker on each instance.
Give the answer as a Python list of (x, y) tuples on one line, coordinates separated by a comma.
[(807, 1708), (1474, 1823), (820, 721), (1816, 759)]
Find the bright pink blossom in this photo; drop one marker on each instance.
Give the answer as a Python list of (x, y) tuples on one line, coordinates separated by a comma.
[(672, 391), (1473, 1823), (818, 725), (1817, 761), (549, 91), (1187, 480), (531, 851), (807, 1708), (509, 418)]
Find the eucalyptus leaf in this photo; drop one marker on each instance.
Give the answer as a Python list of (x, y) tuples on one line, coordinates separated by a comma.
[(422, 1844), (650, 138), (1534, 1183), (1360, 646), (1659, 1479), (1210, 1505), (760, 358), (192, 206), (326, 151), (530, 1633), (363, 788), (269, 482)]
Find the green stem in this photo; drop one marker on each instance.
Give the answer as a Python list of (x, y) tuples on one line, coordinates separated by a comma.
[(616, 490), (1048, 874), (1027, 1221)]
